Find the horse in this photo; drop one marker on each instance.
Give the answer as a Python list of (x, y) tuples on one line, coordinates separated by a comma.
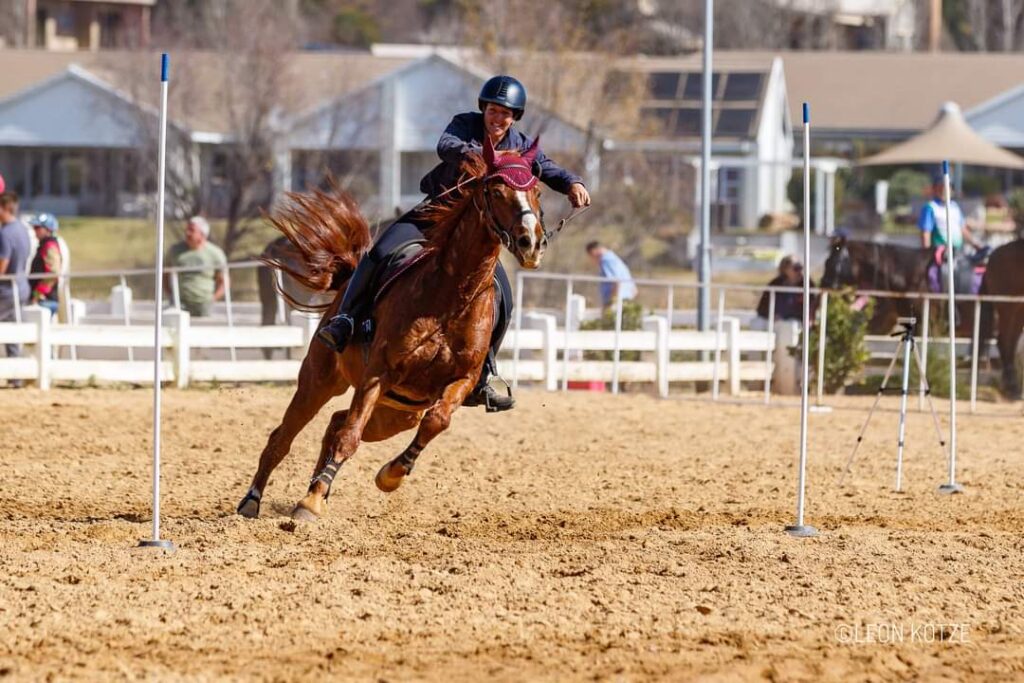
[(1003, 278), (882, 267), (433, 323)]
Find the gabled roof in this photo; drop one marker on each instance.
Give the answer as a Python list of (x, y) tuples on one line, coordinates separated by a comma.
[(890, 93)]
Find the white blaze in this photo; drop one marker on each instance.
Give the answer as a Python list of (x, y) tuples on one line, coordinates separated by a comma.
[(529, 218)]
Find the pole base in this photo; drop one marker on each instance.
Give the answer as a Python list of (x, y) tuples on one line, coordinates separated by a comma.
[(162, 544), (801, 531), (950, 489)]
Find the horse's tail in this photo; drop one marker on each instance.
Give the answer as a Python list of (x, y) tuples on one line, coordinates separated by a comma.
[(986, 325), (330, 236)]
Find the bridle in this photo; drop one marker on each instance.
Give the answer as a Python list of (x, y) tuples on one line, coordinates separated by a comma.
[(502, 232)]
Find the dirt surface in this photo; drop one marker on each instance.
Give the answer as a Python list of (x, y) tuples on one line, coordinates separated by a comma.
[(578, 537)]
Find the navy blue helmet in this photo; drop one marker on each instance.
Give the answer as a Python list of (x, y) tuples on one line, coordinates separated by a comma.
[(505, 91)]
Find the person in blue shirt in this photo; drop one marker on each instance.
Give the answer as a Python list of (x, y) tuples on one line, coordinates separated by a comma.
[(502, 102), (932, 221), (610, 265)]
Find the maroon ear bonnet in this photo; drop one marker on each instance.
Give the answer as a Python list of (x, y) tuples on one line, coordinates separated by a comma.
[(514, 171)]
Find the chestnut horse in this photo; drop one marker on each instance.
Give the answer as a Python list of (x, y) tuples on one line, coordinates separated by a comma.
[(433, 324)]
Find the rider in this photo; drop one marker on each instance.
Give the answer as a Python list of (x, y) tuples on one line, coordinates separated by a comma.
[(502, 102), (933, 221)]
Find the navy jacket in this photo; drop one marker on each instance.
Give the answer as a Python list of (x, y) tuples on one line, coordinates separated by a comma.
[(466, 134)]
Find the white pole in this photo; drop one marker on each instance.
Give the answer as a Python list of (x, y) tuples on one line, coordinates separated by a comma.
[(704, 263), (799, 529), (156, 541), (904, 391), (951, 486)]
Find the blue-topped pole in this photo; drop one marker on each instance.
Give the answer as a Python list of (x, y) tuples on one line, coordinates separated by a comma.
[(156, 541), (800, 529), (951, 486)]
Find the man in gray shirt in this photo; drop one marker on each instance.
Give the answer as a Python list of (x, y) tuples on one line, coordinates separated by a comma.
[(15, 250)]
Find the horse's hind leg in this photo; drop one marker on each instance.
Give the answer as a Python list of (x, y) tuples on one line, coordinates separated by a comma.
[(310, 396), (343, 446), (434, 422)]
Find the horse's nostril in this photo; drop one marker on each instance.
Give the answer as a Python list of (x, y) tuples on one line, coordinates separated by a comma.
[(524, 242)]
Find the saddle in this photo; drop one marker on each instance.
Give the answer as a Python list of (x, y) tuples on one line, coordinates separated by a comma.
[(398, 262), (969, 269)]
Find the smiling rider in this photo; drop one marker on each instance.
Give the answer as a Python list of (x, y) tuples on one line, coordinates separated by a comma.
[(502, 102)]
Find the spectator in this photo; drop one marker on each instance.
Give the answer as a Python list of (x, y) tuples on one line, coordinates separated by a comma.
[(788, 305), (610, 265), (47, 261), (15, 251), (198, 289)]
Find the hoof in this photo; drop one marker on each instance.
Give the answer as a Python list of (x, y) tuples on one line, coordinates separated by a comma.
[(250, 506), (386, 481), (304, 514)]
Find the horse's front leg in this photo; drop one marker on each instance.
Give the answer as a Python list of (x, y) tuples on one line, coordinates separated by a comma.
[(345, 444), (434, 422)]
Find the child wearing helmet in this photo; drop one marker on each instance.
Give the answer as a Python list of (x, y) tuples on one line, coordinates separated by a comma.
[(47, 261)]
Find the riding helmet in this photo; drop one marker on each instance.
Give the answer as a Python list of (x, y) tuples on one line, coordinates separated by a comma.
[(505, 91)]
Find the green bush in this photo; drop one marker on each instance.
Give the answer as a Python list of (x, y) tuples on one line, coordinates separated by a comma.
[(632, 319), (1016, 202), (845, 350)]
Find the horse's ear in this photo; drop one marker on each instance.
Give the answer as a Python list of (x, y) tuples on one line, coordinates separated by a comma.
[(531, 152), (488, 152)]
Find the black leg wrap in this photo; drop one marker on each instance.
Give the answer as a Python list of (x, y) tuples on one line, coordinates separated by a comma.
[(326, 476), (408, 457)]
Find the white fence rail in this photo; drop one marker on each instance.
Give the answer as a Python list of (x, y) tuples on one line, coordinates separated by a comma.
[(545, 347)]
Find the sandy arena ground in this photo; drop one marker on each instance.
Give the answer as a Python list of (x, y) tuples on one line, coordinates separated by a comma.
[(579, 537)]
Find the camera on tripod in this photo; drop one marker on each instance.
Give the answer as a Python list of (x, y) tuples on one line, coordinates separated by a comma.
[(908, 324)]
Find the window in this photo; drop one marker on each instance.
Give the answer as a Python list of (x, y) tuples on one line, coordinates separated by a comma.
[(664, 86), (742, 86), (688, 122), (735, 122), (695, 86)]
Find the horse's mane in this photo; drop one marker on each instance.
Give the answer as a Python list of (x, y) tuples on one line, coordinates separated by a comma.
[(445, 214)]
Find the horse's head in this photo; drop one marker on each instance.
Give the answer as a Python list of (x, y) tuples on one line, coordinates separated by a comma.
[(840, 268), (511, 203)]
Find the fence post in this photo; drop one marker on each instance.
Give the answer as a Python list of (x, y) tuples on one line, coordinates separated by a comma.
[(519, 329), (44, 352), (565, 335), (179, 322), (715, 373), (923, 379), (548, 326), (660, 326), (974, 354), (822, 341), (770, 350), (732, 341), (617, 351), (310, 323)]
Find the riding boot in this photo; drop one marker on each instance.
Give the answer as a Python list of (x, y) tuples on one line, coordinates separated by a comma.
[(486, 395), (340, 329)]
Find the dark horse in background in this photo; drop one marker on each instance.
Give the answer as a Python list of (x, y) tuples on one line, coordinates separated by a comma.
[(1005, 277), (882, 267), (893, 268)]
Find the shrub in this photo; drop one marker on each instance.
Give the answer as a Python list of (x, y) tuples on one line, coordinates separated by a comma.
[(632, 319), (845, 350)]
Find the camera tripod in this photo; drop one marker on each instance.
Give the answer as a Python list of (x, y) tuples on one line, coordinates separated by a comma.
[(908, 347)]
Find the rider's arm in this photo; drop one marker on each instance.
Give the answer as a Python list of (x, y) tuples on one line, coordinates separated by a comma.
[(456, 141), (554, 176)]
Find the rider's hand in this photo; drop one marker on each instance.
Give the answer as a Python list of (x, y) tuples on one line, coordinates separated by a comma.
[(578, 195)]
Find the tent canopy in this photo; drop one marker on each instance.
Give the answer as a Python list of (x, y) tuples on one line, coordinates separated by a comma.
[(949, 138)]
